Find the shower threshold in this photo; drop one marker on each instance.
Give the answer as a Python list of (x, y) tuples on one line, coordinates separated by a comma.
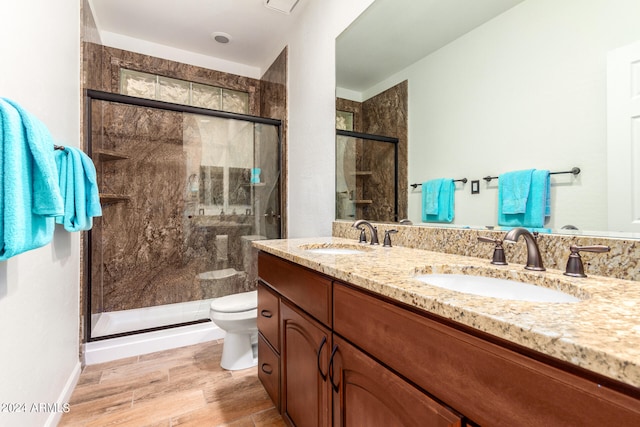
[(146, 318), (157, 331)]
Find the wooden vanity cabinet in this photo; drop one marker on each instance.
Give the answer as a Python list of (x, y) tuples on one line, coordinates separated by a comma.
[(366, 393), (304, 331), (488, 383), (349, 357)]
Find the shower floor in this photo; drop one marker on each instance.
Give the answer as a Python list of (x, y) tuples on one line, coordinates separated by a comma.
[(118, 322)]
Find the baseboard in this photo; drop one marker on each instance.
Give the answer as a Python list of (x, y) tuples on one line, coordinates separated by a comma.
[(65, 396)]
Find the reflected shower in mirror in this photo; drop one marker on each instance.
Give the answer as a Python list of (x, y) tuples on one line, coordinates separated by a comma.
[(505, 85)]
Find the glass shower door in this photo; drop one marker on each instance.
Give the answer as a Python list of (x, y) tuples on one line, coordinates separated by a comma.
[(184, 196)]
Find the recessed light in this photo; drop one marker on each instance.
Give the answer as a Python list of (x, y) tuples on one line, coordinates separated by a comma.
[(221, 37)]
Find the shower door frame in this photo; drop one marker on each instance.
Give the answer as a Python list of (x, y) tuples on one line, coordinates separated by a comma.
[(97, 95)]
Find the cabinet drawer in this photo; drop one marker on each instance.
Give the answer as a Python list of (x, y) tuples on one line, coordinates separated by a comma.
[(269, 370), (308, 290), (269, 315), (490, 384)]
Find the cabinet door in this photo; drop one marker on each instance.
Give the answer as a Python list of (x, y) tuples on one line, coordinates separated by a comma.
[(305, 348), (368, 394)]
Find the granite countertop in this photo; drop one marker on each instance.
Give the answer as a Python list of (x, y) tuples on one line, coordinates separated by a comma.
[(600, 333)]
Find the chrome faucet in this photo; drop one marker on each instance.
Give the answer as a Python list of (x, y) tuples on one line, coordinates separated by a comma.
[(534, 260), (373, 230)]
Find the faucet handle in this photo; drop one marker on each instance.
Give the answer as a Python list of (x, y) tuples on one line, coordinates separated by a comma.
[(498, 250), (575, 268), (363, 235), (387, 238)]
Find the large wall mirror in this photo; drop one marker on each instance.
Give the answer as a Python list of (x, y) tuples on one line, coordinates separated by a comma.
[(503, 85)]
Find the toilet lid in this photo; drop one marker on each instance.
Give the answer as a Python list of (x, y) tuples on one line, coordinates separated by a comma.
[(237, 302)]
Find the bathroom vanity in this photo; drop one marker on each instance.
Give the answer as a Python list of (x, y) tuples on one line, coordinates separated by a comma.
[(353, 339)]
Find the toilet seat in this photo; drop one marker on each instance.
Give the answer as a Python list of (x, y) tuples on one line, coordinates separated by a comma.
[(236, 303)]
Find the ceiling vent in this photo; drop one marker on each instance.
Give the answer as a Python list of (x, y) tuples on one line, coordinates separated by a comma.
[(283, 6)]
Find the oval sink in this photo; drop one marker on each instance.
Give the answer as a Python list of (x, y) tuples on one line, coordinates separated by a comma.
[(495, 288)]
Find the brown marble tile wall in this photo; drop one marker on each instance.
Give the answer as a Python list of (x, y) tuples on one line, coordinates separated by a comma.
[(90, 57), (113, 59), (140, 259), (149, 250), (387, 114), (273, 104), (622, 262), (384, 114)]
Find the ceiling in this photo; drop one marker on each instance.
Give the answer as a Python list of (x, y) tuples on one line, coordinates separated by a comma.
[(393, 34), (257, 33), (389, 36)]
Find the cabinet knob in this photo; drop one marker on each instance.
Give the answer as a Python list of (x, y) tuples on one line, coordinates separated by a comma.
[(266, 313)]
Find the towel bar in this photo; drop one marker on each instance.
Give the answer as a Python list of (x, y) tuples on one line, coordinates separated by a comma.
[(58, 147), (462, 180), (574, 171)]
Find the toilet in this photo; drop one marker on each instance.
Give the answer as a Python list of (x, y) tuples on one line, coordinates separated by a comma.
[(237, 315)]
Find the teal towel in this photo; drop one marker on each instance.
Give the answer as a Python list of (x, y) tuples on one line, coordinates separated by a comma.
[(444, 202), (537, 208), (29, 182), (514, 187), (79, 187), (430, 194)]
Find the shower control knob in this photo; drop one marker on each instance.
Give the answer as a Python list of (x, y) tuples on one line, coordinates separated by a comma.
[(271, 215)]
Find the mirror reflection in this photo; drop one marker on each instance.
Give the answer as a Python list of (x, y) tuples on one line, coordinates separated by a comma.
[(508, 85)]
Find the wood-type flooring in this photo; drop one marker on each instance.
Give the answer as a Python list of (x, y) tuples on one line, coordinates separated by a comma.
[(180, 387)]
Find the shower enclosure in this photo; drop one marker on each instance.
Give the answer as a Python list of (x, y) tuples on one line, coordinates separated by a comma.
[(184, 190), (366, 176)]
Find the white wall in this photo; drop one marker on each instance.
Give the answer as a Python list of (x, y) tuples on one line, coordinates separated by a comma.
[(40, 42), (311, 124), (527, 89)]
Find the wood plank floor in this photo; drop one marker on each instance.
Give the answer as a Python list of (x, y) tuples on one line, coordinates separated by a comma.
[(180, 387)]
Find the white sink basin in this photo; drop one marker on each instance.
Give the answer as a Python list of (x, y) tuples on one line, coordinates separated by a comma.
[(495, 288)]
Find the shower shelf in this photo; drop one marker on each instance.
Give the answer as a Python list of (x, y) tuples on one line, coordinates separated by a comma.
[(108, 155), (106, 198)]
